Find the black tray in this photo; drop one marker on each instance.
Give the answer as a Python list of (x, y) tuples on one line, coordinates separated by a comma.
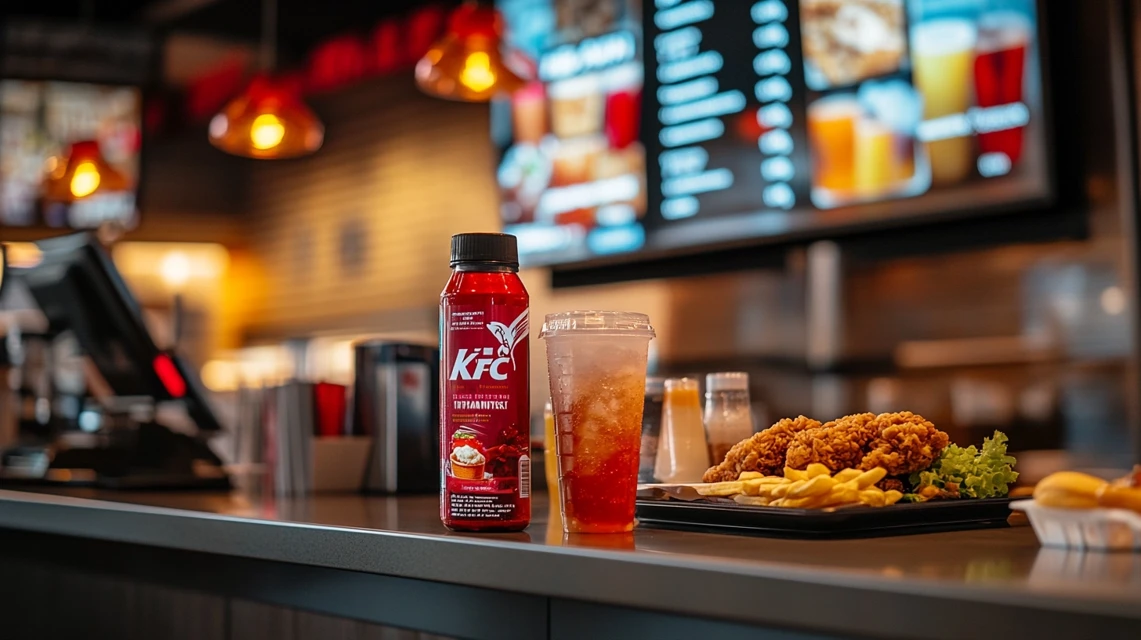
[(847, 522)]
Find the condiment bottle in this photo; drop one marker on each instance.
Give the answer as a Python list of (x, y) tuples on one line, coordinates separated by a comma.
[(550, 455), (728, 419), (651, 428), (683, 454), (484, 387)]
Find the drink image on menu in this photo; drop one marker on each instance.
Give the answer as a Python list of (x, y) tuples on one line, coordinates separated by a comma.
[(970, 66), (943, 59), (957, 111), (1000, 66), (832, 133), (863, 145)]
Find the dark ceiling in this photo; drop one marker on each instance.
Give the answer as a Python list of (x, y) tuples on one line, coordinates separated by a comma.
[(301, 23)]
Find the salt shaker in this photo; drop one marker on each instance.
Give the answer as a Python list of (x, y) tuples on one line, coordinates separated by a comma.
[(728, 419)]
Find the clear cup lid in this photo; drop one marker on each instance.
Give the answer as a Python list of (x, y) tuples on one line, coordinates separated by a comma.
[(601, 323)]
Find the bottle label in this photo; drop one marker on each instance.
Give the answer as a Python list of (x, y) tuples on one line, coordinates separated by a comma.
[(485, 398)]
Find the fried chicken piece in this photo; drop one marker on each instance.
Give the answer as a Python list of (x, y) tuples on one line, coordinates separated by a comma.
[(906, 443), (901, 442), (837, 445), (763, 452), (892, 484)]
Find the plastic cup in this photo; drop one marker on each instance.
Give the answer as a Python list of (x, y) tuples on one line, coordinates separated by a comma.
[(596, 361)]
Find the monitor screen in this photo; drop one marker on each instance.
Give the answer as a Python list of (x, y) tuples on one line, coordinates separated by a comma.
[(778, 120), (78, 288), (38, 122)]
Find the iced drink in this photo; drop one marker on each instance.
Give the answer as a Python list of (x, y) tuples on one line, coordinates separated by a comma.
[(876, 165), (577, 106), (596, 361), (999, 70), (831, 133), (943, 56), (529, 114)]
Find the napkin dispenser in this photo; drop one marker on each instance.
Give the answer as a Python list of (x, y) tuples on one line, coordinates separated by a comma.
[(396, 401)]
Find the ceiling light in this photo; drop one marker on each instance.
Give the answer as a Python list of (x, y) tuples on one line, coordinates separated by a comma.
[(466, 63), (268, 120), (83, 172)]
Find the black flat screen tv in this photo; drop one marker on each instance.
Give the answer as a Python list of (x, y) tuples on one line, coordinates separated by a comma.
[(766, 121)]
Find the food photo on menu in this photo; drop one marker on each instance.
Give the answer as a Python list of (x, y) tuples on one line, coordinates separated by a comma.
[(910, 97)]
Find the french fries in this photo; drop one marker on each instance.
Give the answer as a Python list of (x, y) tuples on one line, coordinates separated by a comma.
[(812, 488), (720, 488)]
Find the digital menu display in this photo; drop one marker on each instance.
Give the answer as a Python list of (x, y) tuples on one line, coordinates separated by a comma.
[(38, 122), (572, 169), (778, 119)]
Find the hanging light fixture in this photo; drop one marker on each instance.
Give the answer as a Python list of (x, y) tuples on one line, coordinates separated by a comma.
[(81, 173), (466, 63), (268, 120)]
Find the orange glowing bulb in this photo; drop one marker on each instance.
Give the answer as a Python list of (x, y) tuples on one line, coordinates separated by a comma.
[(477, 74), (266, 132), (85, 180)]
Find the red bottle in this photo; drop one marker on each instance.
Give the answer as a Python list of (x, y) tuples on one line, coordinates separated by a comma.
[(485, 414)]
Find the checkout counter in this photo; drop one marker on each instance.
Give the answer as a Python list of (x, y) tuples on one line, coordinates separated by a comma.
[(98, 561)]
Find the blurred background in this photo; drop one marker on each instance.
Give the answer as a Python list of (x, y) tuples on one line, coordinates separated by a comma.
[(867, 206)]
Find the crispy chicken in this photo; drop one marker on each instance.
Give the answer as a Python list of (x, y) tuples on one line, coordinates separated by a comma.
[(837, 445), (901, 442), (763, 452), (906, 443)]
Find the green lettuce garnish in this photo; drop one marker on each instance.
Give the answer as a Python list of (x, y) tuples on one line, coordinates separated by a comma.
[(977, 474)]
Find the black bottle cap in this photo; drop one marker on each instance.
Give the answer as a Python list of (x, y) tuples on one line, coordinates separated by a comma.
[(498, 249)]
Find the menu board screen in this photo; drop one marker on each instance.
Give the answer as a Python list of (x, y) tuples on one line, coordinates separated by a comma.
[(572, 172), (38, 122), (778, 119)]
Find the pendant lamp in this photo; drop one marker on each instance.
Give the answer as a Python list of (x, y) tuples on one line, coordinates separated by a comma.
[(466, 63), (268, 120), (81, 173)]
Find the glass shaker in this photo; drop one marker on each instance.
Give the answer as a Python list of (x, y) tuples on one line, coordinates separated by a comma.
[(683, 454), (651, 428), (728, 419)]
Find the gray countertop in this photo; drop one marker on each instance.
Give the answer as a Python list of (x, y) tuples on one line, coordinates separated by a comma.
[(948, 582)]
